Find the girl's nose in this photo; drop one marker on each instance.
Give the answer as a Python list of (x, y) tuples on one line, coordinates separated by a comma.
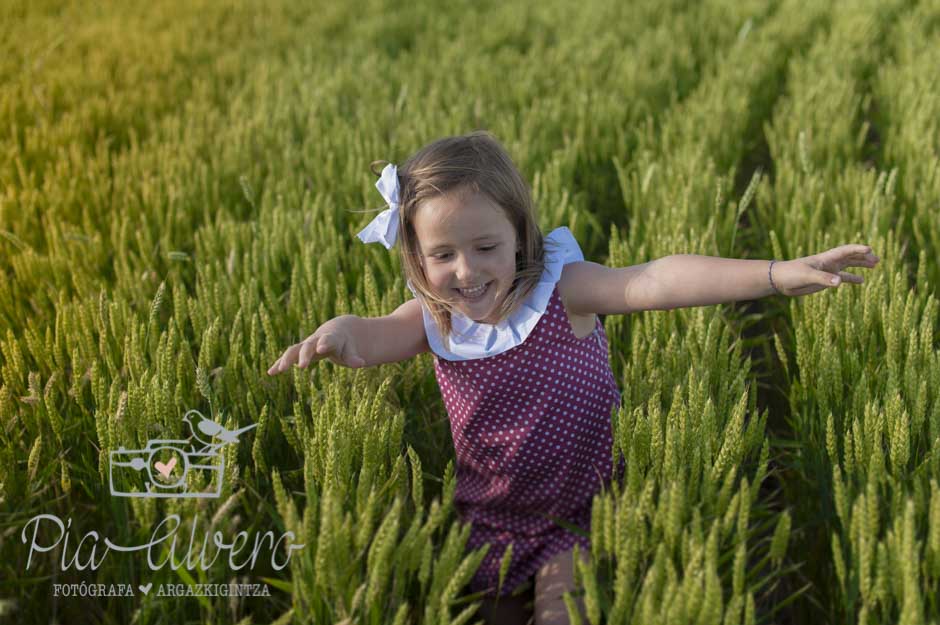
[(464, 271)]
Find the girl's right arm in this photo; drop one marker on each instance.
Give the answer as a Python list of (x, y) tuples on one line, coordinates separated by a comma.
[(356, 342)]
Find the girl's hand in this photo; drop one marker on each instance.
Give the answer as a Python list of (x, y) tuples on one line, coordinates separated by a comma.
[(810, 274), (332, 340)]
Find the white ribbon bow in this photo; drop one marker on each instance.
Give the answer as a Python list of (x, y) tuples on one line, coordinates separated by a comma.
[(384, 228)]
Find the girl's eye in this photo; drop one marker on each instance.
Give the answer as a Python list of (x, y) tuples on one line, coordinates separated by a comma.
[(443, 256)]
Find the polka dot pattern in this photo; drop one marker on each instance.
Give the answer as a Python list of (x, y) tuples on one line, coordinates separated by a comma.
[(532, 436)]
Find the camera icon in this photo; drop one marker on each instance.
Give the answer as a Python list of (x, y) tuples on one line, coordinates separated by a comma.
[(160, 469)]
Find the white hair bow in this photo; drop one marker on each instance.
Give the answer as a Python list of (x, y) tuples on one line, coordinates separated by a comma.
[(384, 228)]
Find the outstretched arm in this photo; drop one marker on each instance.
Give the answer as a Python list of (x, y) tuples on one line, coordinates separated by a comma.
[(685, 280), (355, 342)]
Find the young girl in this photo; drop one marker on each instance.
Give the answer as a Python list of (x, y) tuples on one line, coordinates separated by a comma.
[(520, 353)]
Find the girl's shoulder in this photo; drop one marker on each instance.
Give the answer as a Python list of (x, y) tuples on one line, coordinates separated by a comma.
[(572, 276), (576, 280), (569, 274)]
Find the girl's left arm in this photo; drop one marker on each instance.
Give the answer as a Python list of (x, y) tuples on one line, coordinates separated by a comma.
[(684, 280)]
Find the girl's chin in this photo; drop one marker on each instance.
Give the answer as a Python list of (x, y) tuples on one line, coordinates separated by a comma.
[(478, 314)]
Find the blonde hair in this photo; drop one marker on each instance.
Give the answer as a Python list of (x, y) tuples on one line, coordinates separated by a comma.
[(467, 164)]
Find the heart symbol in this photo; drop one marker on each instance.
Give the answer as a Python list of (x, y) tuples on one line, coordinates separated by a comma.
[(165, 469), (146, 588)]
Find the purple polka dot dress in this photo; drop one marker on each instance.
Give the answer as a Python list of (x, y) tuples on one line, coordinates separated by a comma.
[(531, 427)]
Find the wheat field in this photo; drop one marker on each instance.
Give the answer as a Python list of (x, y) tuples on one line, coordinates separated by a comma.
[(180, 188)]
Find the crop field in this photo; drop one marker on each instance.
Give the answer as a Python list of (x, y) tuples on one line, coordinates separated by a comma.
[(180, 188)]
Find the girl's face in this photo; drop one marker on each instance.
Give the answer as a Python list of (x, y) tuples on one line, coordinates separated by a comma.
[(467, 242)]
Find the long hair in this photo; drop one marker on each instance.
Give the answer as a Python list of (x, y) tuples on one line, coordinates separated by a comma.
[(467, 164)]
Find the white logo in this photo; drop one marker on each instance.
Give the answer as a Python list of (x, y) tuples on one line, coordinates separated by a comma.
[(162, 466)]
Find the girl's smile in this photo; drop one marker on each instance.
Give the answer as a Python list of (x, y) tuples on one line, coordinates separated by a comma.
[(468, 251)]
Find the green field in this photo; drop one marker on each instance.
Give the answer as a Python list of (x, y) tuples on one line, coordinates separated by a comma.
[(180, 188)]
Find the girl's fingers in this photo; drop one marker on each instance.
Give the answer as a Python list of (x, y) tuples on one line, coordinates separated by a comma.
[(278, 365), (317, 347), (851, 250), (851, 277), (855, 249), (866, 257), (293, 354), (314, 348), (303, 353)]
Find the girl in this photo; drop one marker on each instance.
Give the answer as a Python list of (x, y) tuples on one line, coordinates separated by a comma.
[(520, 353)]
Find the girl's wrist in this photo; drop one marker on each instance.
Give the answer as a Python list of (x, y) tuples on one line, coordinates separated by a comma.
[(771, 277)]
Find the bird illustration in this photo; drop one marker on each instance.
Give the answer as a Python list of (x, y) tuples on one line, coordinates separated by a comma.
[(210, 433)]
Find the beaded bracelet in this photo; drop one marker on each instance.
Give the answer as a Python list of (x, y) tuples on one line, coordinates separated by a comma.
[(774, 286)]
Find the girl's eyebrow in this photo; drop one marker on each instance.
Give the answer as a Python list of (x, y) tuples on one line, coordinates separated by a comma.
[(446, 245)]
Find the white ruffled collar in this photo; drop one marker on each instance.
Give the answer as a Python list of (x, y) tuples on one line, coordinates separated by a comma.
[(470, 340)]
